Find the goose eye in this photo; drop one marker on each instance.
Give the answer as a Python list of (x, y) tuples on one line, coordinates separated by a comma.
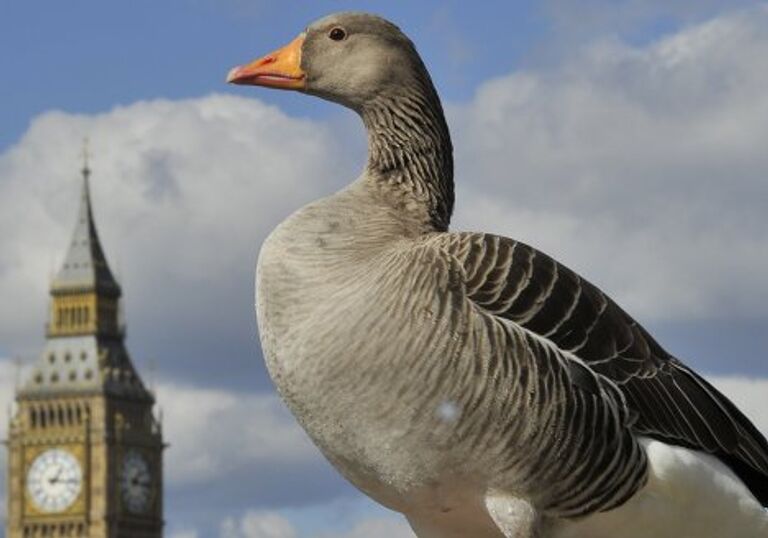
[(337, 34)]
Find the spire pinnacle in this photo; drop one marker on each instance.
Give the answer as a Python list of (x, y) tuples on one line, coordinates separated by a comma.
[(85, 266), (86, 170)]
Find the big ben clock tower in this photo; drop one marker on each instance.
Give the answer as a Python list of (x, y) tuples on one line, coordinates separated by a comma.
[(85, 450)]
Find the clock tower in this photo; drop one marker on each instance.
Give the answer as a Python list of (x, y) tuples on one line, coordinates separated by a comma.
[(85, 449)]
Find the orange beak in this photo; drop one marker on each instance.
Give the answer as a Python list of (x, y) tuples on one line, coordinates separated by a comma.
[(280, 69)]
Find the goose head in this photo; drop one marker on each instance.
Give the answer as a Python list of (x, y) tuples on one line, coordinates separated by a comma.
[(366, 63), (349, 58)]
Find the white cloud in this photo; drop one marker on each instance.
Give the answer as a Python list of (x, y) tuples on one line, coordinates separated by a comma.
[(641, 167), (184, 192), (749, 395), (376, 528), (270, 524), (576, 22), (8, 374), (215, 433), (185, 534), (258, 524)]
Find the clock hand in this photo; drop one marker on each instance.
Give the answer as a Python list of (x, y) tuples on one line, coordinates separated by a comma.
[(55, 478)]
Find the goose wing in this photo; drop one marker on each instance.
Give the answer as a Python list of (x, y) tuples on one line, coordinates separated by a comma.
[(515, 281)]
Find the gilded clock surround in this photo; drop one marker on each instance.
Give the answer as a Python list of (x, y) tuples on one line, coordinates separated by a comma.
[(31, 508), (85, 397)]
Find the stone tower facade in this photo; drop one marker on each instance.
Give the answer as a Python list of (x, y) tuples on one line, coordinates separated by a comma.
[(85, 449)]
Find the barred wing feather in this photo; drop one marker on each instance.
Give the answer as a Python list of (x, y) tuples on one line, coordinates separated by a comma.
[(672, 403)]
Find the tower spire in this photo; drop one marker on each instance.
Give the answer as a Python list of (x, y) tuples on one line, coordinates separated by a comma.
[(85, 266), (85, 339)]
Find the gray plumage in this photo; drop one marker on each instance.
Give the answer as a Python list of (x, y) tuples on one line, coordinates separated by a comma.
[(463, 379)]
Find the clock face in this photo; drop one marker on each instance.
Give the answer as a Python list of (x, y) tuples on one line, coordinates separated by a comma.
[(136, 482), (54, 480)]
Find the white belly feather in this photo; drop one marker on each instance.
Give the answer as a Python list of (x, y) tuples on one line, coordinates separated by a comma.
[(689, 495)]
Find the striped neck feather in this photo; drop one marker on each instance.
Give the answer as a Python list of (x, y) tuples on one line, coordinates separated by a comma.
[(410, 155)]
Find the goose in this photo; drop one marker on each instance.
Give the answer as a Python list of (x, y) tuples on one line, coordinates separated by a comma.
[(467, 380)]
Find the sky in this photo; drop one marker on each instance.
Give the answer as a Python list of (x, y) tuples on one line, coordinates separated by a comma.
[(625, 138)]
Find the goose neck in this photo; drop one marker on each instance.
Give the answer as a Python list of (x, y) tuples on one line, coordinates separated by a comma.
[(410, 157)]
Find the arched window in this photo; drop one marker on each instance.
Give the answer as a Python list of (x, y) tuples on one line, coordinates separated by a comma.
[(33, 417), (60, 415), (70, 417)]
